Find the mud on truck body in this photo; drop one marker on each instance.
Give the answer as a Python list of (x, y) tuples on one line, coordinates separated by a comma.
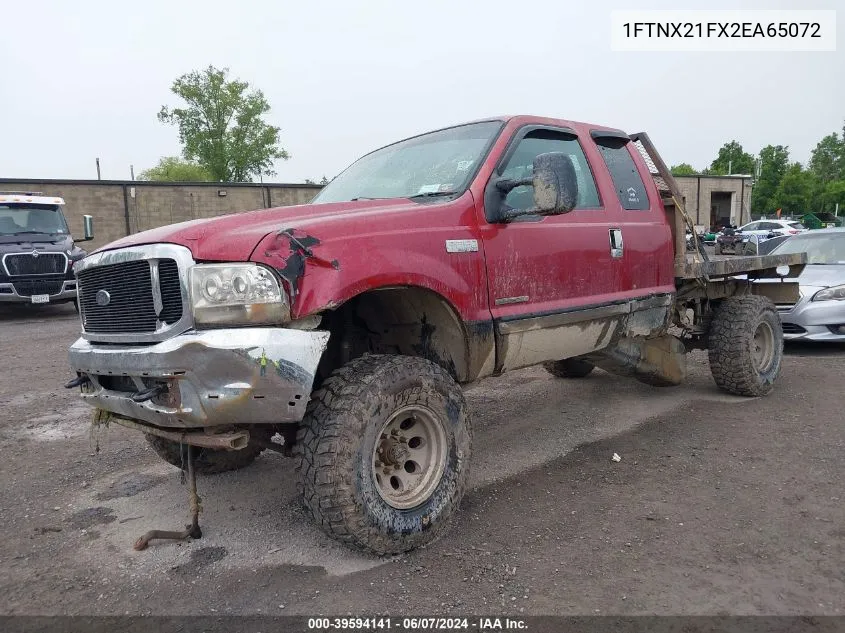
[(346, 326)]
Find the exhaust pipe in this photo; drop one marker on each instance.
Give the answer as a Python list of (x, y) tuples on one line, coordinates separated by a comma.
[(234, 441)]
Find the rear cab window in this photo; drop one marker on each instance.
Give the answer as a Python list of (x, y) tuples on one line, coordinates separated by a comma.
[(797, 225), (627, 181)]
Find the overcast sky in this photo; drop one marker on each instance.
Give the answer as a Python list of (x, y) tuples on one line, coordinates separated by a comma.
[(85, 79)]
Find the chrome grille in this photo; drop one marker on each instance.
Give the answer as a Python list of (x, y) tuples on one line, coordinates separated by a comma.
[(29, 287), (171, 292), (29, 264), (131, 305)]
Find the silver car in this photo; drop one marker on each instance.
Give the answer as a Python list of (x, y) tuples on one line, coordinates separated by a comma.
[(819, 314)]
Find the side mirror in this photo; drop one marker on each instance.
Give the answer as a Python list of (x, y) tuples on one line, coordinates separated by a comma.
[(555, 187), (87, 228)]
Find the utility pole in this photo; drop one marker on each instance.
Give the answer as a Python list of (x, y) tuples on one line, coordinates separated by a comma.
[(730, 163), (132, 171), (98, 169)]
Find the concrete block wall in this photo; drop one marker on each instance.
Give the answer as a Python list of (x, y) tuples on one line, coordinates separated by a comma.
[(120, 208), (697, 191)]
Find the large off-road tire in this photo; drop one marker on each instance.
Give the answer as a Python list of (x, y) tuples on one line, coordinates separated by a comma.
[(384, 452), (207, 461), (746, 345), (569, 368)]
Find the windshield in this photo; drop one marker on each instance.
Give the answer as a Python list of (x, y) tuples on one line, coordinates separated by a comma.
[(824, 248), (16, 219), (438, 163)]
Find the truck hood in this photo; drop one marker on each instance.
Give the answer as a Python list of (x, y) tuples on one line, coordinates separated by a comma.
[(234, 237), (43, 242)]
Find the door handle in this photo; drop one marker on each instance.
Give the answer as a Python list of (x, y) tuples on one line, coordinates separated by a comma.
[(616, 243)]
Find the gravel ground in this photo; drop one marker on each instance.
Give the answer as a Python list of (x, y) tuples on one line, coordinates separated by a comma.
[(720, 505)]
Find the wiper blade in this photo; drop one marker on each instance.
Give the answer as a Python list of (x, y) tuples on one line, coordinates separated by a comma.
[(30, 233), (432, 194)]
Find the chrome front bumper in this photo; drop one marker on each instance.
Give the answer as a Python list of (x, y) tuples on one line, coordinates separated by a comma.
[(9, 295), (212, 377)]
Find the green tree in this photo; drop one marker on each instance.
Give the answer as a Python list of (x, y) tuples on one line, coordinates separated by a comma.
[(795, 191), (732, 159), (827, 161), (833, 194), (684, 169), (774, 160), (174, 169), (221, 127)]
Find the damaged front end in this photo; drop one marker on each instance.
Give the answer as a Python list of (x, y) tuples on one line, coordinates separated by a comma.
[(170, 343), (203, 379)]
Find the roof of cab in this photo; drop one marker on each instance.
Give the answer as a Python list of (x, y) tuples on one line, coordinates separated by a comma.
[(27, 197)]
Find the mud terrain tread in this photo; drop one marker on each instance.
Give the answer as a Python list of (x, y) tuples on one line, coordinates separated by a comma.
[(328, 438), (569, 368), (729, 348), (206, 461)]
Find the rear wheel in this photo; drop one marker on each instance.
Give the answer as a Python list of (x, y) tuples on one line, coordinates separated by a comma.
[(569, 368), (746, 345), (384, 449)]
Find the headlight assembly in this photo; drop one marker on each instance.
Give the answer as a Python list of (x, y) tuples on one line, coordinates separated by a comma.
[(835, 293), (237, 294)]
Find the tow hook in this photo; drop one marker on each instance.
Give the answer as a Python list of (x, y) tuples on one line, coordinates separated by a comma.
[(191, 531), (148, 394), (81, 379)]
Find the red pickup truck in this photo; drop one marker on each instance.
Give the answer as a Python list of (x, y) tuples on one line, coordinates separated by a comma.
[(340, 331)]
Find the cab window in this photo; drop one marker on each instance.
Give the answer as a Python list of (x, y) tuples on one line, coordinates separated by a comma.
[(626, 177), (521, 163)]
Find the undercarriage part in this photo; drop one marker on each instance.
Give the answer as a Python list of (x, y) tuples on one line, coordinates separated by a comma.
[(193, 529), (234, 441), (660, 362)]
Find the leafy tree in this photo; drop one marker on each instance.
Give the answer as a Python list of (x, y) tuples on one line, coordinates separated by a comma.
[(732, 159), (221, 126), (833, 193), (795, 191), (174, 169), (828, 158), (774, 160), (324, 180), (684, 169)]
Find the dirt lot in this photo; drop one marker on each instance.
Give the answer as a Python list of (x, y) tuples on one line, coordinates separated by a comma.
[(719, 505)]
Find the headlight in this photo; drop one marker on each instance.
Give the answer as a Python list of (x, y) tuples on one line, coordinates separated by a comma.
[(836, 293), (244, 294)]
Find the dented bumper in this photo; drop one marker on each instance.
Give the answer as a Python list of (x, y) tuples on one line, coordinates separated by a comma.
[(204, 378)]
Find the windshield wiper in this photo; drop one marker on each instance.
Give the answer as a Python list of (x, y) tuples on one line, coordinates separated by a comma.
[(31, 233), (432, 194)]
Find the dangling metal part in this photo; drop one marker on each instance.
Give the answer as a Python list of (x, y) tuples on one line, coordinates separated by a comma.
[(191, 531)]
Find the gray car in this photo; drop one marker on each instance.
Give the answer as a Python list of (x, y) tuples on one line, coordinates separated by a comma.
[(819, 314)]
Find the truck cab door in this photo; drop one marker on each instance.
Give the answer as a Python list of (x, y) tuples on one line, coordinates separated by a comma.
[(647, 267), (552, 280)]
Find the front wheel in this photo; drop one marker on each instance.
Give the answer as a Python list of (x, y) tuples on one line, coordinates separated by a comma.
[(746, 345), (384, 449)]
